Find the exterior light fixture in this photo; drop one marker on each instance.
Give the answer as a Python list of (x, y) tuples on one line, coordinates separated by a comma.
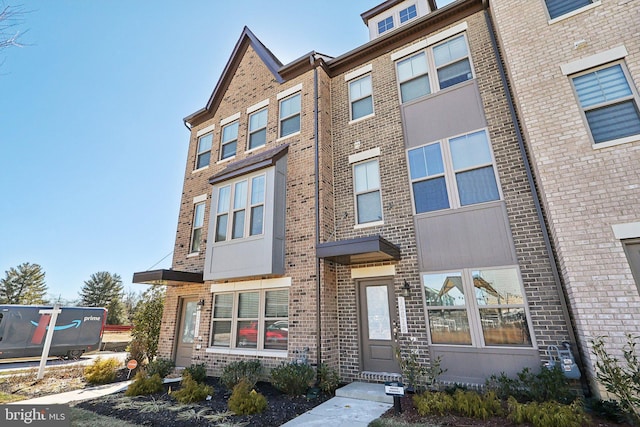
[(406, 289)]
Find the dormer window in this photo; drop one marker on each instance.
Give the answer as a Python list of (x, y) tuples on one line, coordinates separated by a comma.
[(385, 25), (408, 13)]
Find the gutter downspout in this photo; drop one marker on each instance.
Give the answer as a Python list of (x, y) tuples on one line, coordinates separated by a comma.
[(317, 213), (536, 199)]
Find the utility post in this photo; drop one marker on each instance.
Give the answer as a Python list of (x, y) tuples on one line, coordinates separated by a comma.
[(53, 315)]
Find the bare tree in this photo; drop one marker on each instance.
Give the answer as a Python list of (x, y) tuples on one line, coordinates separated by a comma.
[(11, 17)]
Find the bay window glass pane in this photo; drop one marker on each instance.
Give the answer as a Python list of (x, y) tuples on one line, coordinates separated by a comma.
[(369, 207), (224, 196), (276, 303), (505, 326), (248, 304), (455, 73), (477, 186), (426, 161), (240, 195), (497, 287), (223, 306), (601, 86), (444, 289), (361, 108), (411, 67), (221, 333), (430, 195), (276, 334), (614, 121), (257, 190), (247, 335), (449, 327), (221, 228), (238, 225), (450, 51), (415, 88), (257, 221), (470, 150), (367, 176)]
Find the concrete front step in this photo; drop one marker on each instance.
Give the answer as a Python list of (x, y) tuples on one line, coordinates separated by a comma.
[(364, 391)]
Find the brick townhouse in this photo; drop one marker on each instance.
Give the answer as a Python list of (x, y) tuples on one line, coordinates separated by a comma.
[(574, 66), (336, 209)]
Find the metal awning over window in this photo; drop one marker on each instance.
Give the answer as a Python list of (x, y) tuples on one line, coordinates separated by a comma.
[(168, 277), (360, 250)]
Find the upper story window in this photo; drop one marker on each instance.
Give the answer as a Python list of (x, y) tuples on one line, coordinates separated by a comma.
[(198, 225), (366, 177), (290, 115), (385, 25), (361, 97), (229, 140), (438, 67), (454, 172), (609, 102), (258, 129), (408, 13), (483, 307), (240, 209), (558, 8), (204, 150)]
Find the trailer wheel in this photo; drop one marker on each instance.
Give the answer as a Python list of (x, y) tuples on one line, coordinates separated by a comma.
[(74, 354)]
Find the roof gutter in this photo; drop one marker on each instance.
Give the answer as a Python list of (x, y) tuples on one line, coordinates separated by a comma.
[(536, 198)]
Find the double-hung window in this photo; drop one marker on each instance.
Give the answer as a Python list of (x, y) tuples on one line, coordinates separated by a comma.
[(258, 129), (366, 177), (229, 140), (558, 8), (204, 150), (438, 67), (609, 102), (198, 224), (408, 13), (254, 319), (361, 97), (477, 307), (385, 25), (454, 172), (240, 209), (290, 115)]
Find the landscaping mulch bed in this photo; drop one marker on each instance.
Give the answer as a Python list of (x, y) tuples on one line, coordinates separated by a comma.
[(161, 409)]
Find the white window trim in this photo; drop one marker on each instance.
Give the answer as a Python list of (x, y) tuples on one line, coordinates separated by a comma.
[(471, 305), (593, 61), (431, 40), (249, 132), (280, 119), (373, 111), (223, 143), (364, 155), (259, 106), (400, 23), (368, 224), (230, 119), (450, 174), (260, 286), (629, 230), (290, 91), (572, 13), (205, 130), (198, 153), (359, 72), (198, 200), (359, 225)]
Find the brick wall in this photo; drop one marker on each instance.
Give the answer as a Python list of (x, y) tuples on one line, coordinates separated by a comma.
[(585, 190)]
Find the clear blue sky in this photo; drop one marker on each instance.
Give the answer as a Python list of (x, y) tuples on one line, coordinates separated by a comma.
[(92, 144)]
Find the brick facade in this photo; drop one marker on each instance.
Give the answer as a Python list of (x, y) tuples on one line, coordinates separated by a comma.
[(585, 189)]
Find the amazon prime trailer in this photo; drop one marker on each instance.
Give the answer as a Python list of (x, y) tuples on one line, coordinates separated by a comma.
[(23, 329)]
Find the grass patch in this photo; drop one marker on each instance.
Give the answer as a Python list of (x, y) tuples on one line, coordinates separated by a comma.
[(6, 397), (82, 418)]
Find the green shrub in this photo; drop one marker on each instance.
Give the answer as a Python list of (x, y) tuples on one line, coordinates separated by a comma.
[(198, 372), (143, 385), (433, 403), (191, 390), (329, 379), (292, 378), (466, 403), (246, 401), (102, 371), (234, 372), (547, 414), (621, 380), (607, 409), (162, 367), (548, 384)]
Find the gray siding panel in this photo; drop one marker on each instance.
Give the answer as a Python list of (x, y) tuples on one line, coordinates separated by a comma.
[(470, 237), (444, 114)]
